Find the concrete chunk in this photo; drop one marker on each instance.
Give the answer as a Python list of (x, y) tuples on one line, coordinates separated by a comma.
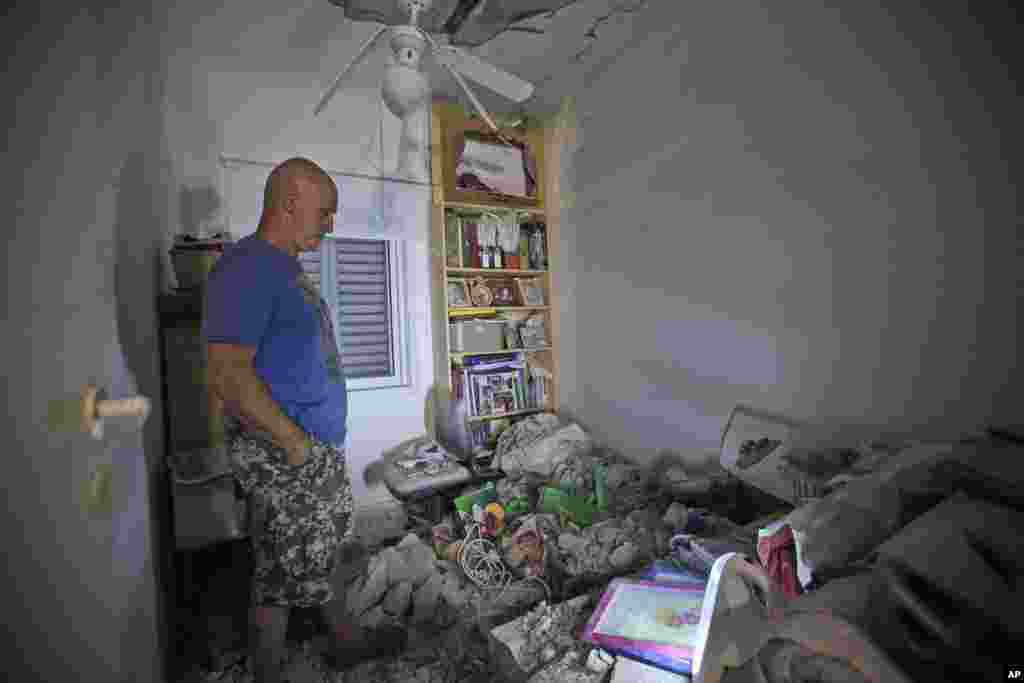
[(425, 600), (397, 601), (517, 648), (567, 669)]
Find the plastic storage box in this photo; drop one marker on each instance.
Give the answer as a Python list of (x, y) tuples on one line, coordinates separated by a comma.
[(477, 336)]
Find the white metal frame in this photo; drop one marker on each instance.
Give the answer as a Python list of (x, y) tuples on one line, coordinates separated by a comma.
[(400, 330)]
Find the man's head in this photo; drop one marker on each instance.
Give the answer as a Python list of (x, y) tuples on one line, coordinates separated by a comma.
[(299, 203)]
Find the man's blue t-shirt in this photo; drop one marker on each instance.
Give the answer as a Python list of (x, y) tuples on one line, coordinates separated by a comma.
[(257, 296)]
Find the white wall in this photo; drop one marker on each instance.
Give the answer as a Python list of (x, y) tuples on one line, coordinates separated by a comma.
[(230, 94), (804, 209)]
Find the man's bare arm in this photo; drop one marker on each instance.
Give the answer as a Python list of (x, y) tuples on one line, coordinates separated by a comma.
[(234, 380)]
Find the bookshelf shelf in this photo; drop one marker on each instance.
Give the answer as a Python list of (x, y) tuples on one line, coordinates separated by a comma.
[(463, 354), (469, 311), (535, 380), (493, 207), (485, 418), (497, 271)]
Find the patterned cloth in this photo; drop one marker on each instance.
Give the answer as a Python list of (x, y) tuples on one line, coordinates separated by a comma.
[(776, 549), (305, 513)]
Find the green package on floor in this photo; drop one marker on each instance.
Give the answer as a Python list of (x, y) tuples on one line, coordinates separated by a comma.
[(576, 507), (484, 497)]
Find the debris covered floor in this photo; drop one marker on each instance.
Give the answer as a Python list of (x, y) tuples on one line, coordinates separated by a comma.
[(556, 560), (451, 622)]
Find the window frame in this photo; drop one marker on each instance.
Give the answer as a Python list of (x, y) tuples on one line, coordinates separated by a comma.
[(400, 334)]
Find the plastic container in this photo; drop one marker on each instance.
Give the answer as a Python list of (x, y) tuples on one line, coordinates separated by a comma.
[(477, 336)]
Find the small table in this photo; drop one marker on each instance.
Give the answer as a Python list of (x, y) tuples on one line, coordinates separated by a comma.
[(421, 471)]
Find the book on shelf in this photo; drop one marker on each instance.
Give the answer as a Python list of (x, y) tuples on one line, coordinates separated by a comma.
[(453, 241), (470, 247), (524, 247), (537, 245), (458, 313)]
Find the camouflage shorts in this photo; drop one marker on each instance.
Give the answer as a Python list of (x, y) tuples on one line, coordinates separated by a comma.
[(303, 514)]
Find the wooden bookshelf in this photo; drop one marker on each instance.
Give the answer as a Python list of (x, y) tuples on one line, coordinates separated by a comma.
[(449, 122)]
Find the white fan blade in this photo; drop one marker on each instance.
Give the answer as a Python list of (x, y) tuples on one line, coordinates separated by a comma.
[(329, 93), (487, 75), (472, 98)]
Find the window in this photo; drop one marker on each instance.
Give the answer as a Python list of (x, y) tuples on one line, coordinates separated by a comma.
[(367, 306)]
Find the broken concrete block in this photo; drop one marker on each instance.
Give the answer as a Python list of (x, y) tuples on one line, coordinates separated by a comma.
[(571, 543), (396, 602), (567, 669), (392, 561), (453, 592), (380, 521), (418, 561), (600, 661), (408, 541), (518, 648), (374, 587), (676, 515), (352, 594), (373, 618), (496, 609), (608, 532), (425, 600), (624, 556), (445, 614)]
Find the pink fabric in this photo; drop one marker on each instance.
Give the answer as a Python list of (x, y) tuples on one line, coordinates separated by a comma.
[(778, 555)]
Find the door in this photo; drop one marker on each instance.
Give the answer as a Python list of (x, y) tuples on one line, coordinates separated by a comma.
[(81, 232)]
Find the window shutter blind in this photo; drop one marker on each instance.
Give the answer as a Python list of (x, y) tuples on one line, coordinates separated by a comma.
[(310, 262), (364, 307)]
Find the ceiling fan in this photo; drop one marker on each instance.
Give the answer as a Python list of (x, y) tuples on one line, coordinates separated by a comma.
[(405, 89)]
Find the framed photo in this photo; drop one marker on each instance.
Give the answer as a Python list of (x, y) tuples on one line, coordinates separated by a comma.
[(531, 291), (458, 294), (504, 291), (499, 166)]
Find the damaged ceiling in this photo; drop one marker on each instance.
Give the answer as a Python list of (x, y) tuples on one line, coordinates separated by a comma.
[(469, 23), (551, 43)]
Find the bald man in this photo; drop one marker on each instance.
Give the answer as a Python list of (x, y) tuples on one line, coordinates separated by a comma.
[(275, 365)]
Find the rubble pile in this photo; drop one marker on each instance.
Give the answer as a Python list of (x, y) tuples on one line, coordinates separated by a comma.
[(608, 548), (405, 585), (461, 631), (545, 637)]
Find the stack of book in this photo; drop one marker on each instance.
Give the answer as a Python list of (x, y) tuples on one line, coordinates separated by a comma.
[(492, 385), (463, 248)]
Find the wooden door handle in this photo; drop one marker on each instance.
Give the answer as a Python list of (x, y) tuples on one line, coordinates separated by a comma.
[(94, 410)]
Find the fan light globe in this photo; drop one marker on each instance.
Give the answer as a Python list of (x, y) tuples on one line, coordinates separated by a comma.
[(404, 90)]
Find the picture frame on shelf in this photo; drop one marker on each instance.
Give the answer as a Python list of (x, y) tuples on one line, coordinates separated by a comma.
[(480, 294), (504, 291), (458, 293), (497, 168), (531, 291)]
